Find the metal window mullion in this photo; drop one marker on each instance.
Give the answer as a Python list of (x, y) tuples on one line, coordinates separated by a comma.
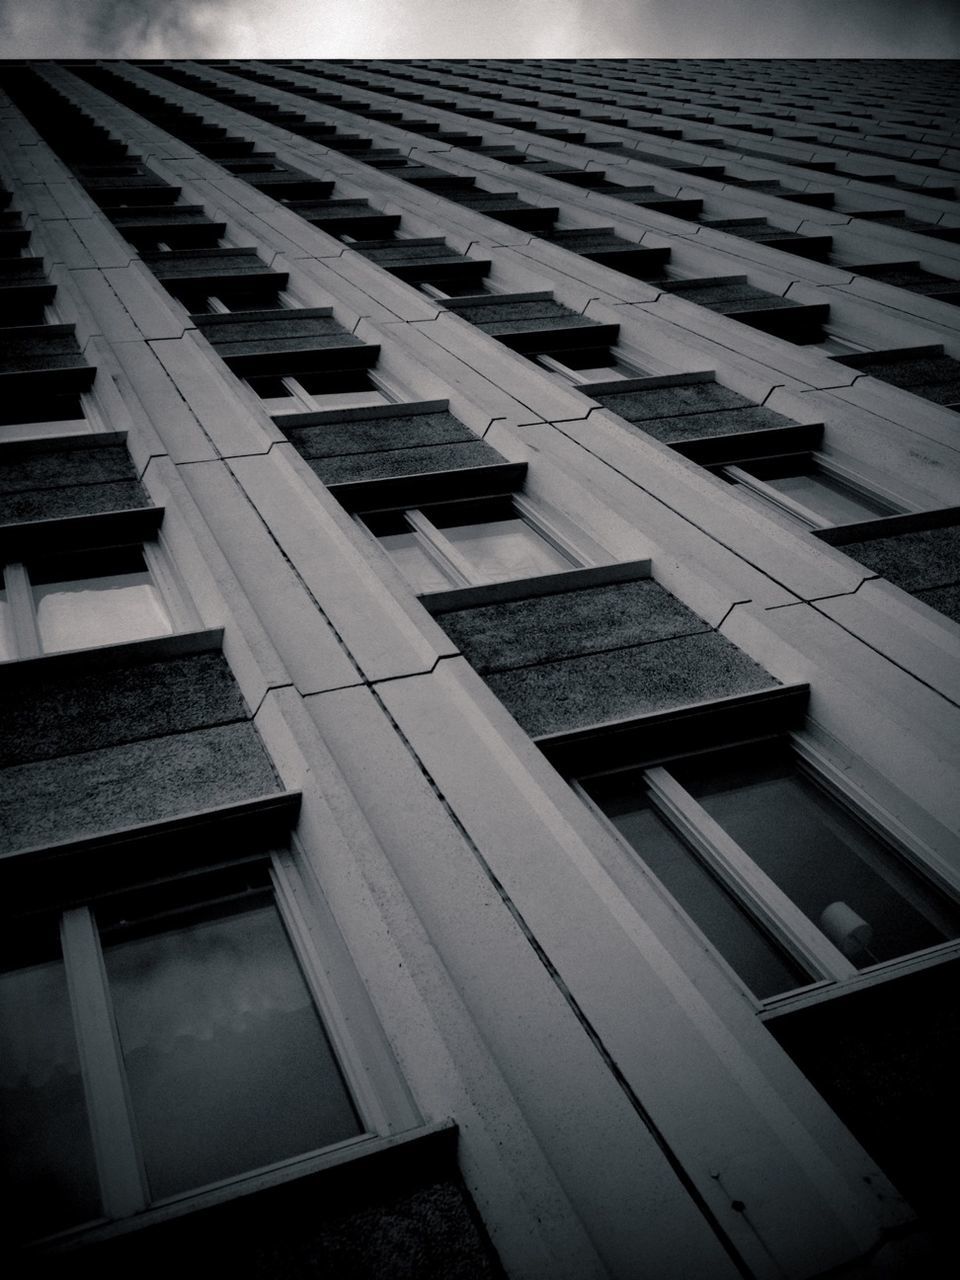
[(23, 612), (442, 548), (555, 366), (547, 531), (122, 1182), (300, 393), (750, 884)]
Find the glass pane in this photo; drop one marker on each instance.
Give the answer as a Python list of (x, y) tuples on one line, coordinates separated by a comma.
[(48, 1177), (420, 569), (764, 966), (228, 1065), (854, 887), (829, 498), (90, 600), (503, 549), (8, 644)]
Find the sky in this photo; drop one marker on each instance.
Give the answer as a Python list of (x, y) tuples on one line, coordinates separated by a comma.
[(478, 28)]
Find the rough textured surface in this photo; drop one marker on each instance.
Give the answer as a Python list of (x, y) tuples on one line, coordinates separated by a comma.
[(373, 434), (267, 327), (521, 632), (404, 462), (925, 558), (400, 254), (425, 1231), (52, 713), (728, 297), (944, 599), (507, 316), (936, 378), (40, 347), (204, 262), (76, 500), (726, 422), (48, 801), (592, 240), (669, 402), (589, 690), (26, 467)]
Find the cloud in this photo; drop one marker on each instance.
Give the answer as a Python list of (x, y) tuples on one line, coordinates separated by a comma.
[(477, 28), (119, 28)]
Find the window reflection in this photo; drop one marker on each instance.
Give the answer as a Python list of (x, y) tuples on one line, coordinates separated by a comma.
[(227, 1062), (47, 1175)]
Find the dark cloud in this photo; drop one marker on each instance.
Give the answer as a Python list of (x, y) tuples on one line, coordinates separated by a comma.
[(114, 28), (483, 28)]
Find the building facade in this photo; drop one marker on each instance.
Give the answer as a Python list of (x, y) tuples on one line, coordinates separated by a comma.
[(479, 625)]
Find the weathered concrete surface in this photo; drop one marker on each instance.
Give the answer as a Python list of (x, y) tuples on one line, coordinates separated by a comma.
[(522, 632), (923, 558), (57, 708), (47, 801), (581, 691)]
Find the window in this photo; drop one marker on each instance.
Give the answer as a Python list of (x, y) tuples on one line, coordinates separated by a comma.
[(81, 599), (159, 1041), (589, 364), (810, 490), (56, 415), (462, 543), (237, 300), (454, 288), (791, 886), (309, 392)]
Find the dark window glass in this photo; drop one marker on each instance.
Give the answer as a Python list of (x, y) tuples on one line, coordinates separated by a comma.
[(48, 1178), (855, 888), (765, 967), (228, 1065)]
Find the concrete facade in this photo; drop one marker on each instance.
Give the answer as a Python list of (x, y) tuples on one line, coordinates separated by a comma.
[(535, 488)]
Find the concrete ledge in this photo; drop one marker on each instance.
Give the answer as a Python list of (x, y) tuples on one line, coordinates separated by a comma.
[(107, 528), (640, 740)]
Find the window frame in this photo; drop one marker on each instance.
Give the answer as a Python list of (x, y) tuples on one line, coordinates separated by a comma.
[(305, 401), (444, 554), (90, 412), (811, 462), (371, 1077), (27, 644), (553, 364), (773, 912)]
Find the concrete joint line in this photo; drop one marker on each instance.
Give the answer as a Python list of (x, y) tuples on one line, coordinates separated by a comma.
[(688, 519), (886, 656), (680, 1172), (271, 688), (153, 457), (408, 675), (839, 595), (736, 605)]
